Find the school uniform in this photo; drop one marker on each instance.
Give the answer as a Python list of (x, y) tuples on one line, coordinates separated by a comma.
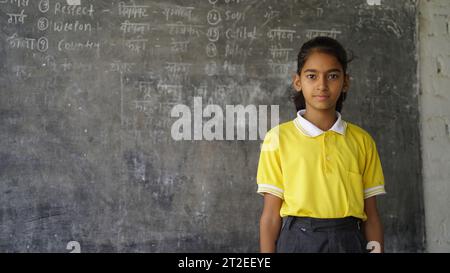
[(323, 178)]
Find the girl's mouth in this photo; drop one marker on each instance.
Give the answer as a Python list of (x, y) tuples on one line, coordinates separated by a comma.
[(321, 98)]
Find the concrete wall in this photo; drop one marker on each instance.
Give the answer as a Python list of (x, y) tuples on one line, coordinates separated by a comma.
[(434, 43)]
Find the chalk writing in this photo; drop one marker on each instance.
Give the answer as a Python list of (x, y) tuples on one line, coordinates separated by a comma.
[(146, 89), (15, 18), (22, 71), (225, 89), (233, 69), (74, 2), (173, 90), (232, 50), (374, 2), (201, 90), (280, 52), (179, 46), (136, 45), (121, 67), (76, 26), (312, 33), (234, 1), (27, 43), (211, 68), (144, 106), (42, 24), (279, 69), (42, 44), (241, 33), (70, 66), (73, 10), (134, 28), (234, 16), (44, 6), (281, 34), (319, 12), (49, 63), (213, 17), (178, 68), (271, 14), (183, 12), (211, 50), (19, 3), (64, 45), (132, 11), (180, 28), (20, 42), (213, 34)]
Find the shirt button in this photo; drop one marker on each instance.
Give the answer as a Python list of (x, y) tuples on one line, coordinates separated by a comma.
[(328, 157)]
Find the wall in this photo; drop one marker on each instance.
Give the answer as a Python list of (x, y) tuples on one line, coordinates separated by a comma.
[(434, 25)]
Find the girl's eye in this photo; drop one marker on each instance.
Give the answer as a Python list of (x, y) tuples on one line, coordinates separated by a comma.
[(333, 76), (311, 76)]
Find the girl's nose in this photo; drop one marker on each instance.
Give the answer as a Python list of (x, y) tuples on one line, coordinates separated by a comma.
[(322, 83)]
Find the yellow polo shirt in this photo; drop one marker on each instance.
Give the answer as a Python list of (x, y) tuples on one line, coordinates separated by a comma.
[(320, 174)]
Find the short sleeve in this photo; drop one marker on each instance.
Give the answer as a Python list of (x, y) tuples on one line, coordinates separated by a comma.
[(373, 178), (269, 176)]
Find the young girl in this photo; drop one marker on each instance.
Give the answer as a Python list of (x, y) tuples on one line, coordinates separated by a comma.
[(319, 172)]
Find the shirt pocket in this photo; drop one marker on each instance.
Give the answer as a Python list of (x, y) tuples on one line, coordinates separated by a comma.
[(355, 193)]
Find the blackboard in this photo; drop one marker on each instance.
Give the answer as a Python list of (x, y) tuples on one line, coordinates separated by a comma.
[(88, 88)]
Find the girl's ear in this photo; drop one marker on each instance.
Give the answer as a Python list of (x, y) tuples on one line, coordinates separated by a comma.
[(346, 86), (297, 83)]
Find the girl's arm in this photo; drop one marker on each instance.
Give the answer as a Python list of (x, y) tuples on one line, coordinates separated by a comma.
[(373, 228), (270, 223)]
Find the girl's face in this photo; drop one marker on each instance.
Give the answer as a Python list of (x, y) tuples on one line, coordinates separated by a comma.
[(321, 80)]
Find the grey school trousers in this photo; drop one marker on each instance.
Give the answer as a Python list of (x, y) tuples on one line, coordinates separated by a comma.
[(313, 235)]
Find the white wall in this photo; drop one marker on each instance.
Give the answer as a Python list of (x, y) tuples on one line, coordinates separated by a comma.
[(434, 66)]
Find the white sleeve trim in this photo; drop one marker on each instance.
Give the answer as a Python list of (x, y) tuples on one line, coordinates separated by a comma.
[(267, 188), (272, 187), (374, 188), (370, 192)]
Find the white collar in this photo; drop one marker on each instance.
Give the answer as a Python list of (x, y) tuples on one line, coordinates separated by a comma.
[(309, 129)]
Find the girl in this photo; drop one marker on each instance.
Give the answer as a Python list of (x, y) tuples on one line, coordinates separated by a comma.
[(319, 172)]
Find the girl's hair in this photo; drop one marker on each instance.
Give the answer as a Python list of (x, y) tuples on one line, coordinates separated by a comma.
[(323, 45)]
